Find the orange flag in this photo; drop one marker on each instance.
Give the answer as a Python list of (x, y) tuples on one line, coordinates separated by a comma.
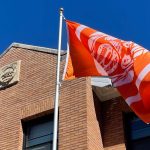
[(93, 53)]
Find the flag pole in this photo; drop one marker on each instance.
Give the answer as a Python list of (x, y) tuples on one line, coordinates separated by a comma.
[(56, 105)]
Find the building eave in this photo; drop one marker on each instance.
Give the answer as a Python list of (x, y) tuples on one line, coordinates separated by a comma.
[(33, 48)]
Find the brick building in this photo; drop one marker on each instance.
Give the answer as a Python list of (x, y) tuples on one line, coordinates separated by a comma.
[(92, 115)]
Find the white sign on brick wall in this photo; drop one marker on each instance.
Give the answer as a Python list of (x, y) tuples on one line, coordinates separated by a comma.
[(9, 74)]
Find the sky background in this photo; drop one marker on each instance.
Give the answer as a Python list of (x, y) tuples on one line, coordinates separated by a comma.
[(36, 22)]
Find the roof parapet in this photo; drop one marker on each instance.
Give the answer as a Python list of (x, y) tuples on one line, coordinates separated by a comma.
[(34, 48)]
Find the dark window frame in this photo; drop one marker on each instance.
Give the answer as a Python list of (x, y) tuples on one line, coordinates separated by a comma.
[(30, 123), (132, 134)]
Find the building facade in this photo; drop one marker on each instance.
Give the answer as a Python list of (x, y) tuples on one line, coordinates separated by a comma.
[(91, 117)]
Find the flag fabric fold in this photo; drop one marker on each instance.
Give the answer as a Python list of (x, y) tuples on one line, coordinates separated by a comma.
[(93, 53)]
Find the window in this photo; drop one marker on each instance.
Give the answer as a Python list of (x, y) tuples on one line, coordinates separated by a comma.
[(38, 133), (137, 133)]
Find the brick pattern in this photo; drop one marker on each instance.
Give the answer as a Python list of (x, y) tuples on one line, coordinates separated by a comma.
[(112, 124), (85, 123), (94, 133), (33, 96), (73, 116)]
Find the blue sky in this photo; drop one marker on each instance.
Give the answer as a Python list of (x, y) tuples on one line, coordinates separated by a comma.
[(36, 21)]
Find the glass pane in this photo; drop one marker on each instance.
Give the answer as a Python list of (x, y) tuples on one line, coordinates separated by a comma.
[(47, 146), (138, 128), (38, 133), (137, 124), (141, 133), (41, 129), (138, 137), (39, 140)]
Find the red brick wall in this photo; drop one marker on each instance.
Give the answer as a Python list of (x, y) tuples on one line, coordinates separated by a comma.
[(73, 115), (33, 95), (79, 128), (94, 132), (112, 124)]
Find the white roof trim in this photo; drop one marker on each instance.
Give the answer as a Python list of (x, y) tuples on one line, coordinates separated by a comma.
[(101, 81), (34, 48), (103, 88)]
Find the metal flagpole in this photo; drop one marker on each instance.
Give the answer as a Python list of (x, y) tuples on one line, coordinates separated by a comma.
[(55, 130)]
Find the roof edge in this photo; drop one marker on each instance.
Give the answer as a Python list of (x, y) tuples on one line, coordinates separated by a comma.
[(33, 48)]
